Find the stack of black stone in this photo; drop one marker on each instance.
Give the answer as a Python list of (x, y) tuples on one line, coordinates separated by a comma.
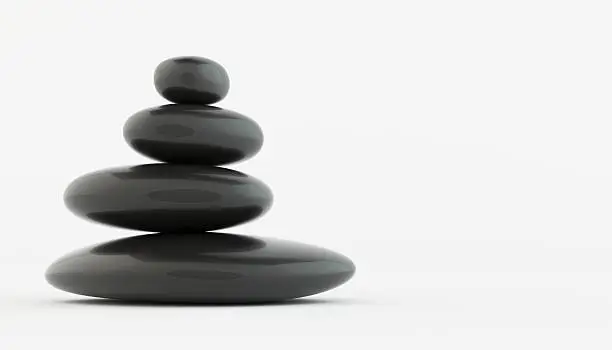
[(183, 200)]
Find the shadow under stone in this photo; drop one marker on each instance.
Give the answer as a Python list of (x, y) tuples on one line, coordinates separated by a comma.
[(135, 303)]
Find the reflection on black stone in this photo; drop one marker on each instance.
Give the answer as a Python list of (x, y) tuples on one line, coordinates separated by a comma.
[(179, 246), (172, 110), (174, 130), (183, 153), (195, 247), (179, 172), (184, 196), (205, 275), (190, 59), (198, 220), (187, 94)]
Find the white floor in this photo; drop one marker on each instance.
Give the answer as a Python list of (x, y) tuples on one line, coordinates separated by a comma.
[(422, 294)]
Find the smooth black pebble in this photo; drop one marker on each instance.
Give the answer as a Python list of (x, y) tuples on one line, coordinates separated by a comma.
[(200, 268), (191, 79), (192, 134), (168, 197)]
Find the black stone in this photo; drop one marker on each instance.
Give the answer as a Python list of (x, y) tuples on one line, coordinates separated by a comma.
[(191, 80), (200, 268), (168, 197), (192, 134)]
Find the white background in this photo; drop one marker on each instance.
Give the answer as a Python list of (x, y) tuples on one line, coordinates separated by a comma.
[(458, 151)]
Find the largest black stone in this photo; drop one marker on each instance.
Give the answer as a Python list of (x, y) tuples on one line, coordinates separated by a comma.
[(202, 268), (168, 197)]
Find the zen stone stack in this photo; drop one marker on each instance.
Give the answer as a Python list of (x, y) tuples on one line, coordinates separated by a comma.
[(181, 201)]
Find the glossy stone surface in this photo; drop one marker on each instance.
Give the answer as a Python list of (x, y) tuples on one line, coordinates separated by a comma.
[(192, 134), (191, 79), (202, 268), (168, 197)]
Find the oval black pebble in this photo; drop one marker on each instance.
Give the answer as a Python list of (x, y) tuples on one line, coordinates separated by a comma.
[(191, 134), (200, 268), (191, 79), (168, 197)]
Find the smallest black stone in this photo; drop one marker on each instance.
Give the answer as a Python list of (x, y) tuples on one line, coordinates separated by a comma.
[(191, 80)]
